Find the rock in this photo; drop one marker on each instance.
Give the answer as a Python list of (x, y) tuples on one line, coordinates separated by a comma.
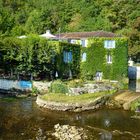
[(117, 133), (129, 133), (75, 107), (22, 134), (39, 135), (67, 132), (126, 106), (90, 88), (41, 86), (135, 117), (57, 126)]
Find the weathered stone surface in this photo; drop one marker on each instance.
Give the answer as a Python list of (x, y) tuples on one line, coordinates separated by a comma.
[(90, 88), (67, 132), (123, 99), (135, 117), (75, 107), (126, 106), (117, 132), (41, 86)]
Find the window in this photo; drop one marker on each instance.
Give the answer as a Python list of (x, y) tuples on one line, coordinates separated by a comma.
[(84, 43), (109, 58), (84, 57), (67, 57), (109, 44), (73, 41)]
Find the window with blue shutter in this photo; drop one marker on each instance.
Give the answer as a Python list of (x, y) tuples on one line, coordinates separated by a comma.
[(109, 44), (109, 58), (67, 56), (84, 57)]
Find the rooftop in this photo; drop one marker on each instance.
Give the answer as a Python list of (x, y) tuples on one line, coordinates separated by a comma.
[(78, 35)]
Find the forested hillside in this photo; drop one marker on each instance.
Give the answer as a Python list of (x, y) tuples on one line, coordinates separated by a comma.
[(19, 17)]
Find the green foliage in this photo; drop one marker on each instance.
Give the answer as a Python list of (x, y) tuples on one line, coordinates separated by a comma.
[(96, 59), (75, 83), (135, 105), (120, 56), (37, 56), (58, 87), (34, 91), (31, 16), (83, 98), (32, 55), (74, 66)]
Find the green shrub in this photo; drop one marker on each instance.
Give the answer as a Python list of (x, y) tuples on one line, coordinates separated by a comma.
[(76, 83), (135, 105), (58, 87), (35, 91)]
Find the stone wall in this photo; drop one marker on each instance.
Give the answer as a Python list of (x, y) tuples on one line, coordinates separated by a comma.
[(6, 84), (75, 107), (41, 86)]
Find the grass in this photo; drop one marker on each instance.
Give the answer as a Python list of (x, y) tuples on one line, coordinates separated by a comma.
[(74, 99)]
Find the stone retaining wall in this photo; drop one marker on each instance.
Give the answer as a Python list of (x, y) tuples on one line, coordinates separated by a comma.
[(41, 86), (75, 107)]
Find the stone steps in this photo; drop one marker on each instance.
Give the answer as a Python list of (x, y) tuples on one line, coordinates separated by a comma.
[(126, 98)]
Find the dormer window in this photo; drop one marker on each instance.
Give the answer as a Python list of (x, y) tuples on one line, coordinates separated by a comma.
[(108, 44)]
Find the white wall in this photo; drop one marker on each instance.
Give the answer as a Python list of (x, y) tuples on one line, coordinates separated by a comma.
[(10, 84)]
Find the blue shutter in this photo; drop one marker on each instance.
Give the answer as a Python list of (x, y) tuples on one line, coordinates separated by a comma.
[(69, 57), (64, 56)]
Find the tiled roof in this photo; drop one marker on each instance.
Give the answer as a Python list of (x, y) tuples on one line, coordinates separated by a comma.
[(78, 35)]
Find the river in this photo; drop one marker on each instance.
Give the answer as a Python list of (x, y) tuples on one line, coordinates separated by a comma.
[(22, 119)]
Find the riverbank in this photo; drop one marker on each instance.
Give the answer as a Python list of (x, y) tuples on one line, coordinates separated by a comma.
[(126, 100), (62, 102)]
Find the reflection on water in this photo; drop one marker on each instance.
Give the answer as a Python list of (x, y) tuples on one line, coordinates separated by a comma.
[(23, 120)]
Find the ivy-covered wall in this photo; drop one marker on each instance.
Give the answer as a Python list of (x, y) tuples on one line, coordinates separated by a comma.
[(38, 57), (96, 59), (41, 57), (74, 65)]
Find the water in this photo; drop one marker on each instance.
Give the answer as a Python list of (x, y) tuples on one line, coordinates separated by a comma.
[(23, 120)]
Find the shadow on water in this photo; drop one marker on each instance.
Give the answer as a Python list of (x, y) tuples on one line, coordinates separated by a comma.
[(23, 119)]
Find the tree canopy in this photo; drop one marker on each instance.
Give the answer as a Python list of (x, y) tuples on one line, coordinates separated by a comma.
[(19, 17)]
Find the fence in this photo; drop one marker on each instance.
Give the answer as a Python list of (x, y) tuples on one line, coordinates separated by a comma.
[(11, 84)]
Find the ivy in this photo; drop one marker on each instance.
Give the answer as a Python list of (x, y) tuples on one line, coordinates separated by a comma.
[(74, 66), (96, 59), (38, 57)]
